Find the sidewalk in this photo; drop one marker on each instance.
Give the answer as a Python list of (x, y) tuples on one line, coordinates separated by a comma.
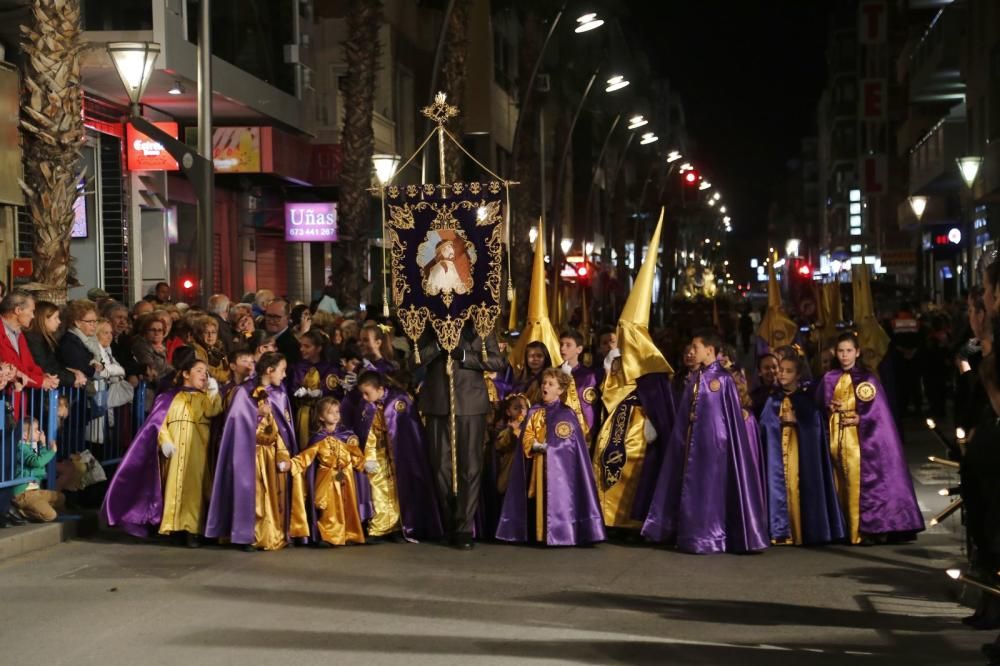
[(15, 541)]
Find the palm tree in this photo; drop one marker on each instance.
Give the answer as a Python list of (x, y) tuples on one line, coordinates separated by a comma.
[(52, 119), (361, 53), (453, 75)]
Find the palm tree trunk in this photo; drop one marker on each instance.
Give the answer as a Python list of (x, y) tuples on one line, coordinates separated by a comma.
[(361, 53), (453, 73), (52, 123)]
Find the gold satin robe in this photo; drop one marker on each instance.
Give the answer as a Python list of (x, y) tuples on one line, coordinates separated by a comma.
[(536, 431), (302, 417), (271, 522), (617, 499), (790, 460), (845, 451), (335, 494), (185, 477), (385, 499), (506, 443)]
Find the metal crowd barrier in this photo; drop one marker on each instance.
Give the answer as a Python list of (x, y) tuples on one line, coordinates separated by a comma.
[(86, 424), (17, 409)]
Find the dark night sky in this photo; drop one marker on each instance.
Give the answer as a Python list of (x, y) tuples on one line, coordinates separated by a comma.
[(750, 74)]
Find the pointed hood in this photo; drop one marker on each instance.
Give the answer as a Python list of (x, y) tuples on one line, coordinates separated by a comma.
[(831, 310), (537, 326), (775, 329), (872, 337), (640, 355), (512, 321)]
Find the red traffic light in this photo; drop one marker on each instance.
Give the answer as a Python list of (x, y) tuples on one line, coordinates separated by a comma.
[(805, 270), (187, 284), (582, 271), (691, 177)]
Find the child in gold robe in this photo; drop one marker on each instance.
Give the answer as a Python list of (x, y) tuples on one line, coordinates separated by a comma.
[(336, 453)]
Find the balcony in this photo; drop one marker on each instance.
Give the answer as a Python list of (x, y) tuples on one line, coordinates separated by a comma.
[(935, 62), (932, 160)]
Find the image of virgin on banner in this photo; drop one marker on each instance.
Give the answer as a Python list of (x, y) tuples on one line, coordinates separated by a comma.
[(446, 245)]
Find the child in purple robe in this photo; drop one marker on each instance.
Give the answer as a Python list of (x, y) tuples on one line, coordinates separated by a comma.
[(566, 509), (802, 501), (869, 468), (709, 495), (584, 381)]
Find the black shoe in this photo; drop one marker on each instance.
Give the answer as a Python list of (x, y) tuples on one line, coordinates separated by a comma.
[(15, 518), (463, 541), (324, 544), (249, 548), (192, 540)]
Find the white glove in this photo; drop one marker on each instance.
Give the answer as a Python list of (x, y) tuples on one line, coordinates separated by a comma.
[(609, 359), (349, 381), (213, 385), (315, 393), (284, 466), (649, 431), (372, 467), (539, 447), (566, 369), (167, 448), (300, 392)]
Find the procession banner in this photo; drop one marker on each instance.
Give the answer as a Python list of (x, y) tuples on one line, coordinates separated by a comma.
[(446, 246)]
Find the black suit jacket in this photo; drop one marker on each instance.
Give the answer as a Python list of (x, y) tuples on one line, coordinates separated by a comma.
[(288, 345), (471, 397)]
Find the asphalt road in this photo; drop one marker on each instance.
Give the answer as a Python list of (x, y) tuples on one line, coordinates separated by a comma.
[(117, 601)]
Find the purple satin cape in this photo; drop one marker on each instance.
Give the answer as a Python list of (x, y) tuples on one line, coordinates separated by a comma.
[(819, 508), (584, 378), (231, 513), (572, 512), (134, 500), (708, 496), (418, 507), (657, 398), (888, 502)]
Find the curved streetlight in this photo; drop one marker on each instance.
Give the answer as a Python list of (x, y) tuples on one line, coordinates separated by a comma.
[(588, 22), (673, 156), (616, 82), (648, 138), (635, 122)]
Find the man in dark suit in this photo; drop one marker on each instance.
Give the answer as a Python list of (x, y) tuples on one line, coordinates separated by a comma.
[(276, 324), (472, 404)]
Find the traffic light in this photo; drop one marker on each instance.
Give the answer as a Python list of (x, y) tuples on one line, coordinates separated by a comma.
[(690, 181), (800, 288), (584, 274), (189, 289)]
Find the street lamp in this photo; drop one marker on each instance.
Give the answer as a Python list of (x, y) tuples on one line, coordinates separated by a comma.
[(648, 138), (385, 167), (704, 185), (616, 82), (722, 209), (134, 63), (532, 235), (673, 156), (716, 196), (918, 205), (588, 22), (969, 168), (566, 244), (635, 122)]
